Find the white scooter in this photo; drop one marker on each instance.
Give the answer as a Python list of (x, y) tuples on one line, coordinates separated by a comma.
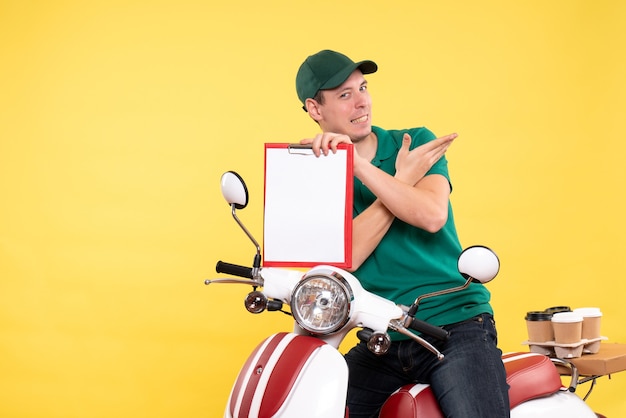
[(303, 374)]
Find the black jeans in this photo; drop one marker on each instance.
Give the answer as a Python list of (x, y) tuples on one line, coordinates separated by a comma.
[(470, 382)]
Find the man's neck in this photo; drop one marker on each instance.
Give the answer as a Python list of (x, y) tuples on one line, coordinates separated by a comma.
[(367, 146)]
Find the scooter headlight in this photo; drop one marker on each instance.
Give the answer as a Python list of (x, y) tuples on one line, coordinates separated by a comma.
[(321, 303)]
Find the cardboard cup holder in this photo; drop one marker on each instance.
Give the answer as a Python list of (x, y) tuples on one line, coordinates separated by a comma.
[(561, 332), (565, 351)]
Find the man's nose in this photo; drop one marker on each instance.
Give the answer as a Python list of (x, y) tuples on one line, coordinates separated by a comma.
[(360, 100)]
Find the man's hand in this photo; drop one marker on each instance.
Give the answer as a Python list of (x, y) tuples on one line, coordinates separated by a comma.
[(412, 165), (326, 142)]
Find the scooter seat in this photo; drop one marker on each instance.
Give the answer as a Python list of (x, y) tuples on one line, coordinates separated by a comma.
[(529, 375)]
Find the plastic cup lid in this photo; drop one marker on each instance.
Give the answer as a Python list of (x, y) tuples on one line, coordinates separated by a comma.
[(588, 312), (538, 316), (555, 309), (567, 317)]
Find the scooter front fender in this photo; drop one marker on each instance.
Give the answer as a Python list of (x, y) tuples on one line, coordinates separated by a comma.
[(290, 375)]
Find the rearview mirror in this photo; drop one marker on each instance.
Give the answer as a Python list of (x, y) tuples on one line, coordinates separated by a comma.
[(479, 263), (234, 189)]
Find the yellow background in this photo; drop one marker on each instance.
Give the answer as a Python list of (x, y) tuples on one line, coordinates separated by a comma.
[(117, 119)]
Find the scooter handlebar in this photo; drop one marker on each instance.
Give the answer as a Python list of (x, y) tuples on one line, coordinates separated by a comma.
[(426, 328), (233, 269)]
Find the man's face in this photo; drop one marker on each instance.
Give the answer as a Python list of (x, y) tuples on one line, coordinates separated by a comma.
[(347, 109)]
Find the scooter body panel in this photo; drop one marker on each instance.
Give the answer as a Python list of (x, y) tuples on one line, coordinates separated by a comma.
[(559, 405), (290, 375)]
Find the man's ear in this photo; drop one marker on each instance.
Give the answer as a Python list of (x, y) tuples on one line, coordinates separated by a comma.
[(313, 107)]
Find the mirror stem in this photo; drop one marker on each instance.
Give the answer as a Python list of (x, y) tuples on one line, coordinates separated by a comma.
[(257, 258), (415, 305)]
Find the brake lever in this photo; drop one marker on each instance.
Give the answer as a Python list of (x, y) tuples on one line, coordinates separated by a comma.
[(235, 281), (398, 327)]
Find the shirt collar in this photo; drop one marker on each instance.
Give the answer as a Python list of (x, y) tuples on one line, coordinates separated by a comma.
[(386, 146)]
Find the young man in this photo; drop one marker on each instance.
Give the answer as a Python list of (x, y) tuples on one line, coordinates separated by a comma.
[(404, 245)]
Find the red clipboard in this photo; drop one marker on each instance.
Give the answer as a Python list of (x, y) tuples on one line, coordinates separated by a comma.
[(307, 207)]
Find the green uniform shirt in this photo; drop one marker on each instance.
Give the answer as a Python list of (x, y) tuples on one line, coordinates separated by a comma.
[(409, 261)]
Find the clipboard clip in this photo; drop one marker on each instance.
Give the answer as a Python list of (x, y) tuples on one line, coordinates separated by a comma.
[(300, 149)]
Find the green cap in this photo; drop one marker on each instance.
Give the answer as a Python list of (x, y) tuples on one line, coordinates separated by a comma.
[(326, 70)]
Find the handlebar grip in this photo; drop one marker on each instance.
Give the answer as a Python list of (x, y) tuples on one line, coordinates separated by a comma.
[(234, 269), (426, 328)]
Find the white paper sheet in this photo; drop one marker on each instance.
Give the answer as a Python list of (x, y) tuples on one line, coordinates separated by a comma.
[(307, 207)]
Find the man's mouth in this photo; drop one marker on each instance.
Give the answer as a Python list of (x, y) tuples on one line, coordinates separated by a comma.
[(359, 120)]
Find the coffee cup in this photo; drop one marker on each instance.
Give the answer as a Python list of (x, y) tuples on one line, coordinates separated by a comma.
[(567, 327), (539, 326), (591, 322)]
